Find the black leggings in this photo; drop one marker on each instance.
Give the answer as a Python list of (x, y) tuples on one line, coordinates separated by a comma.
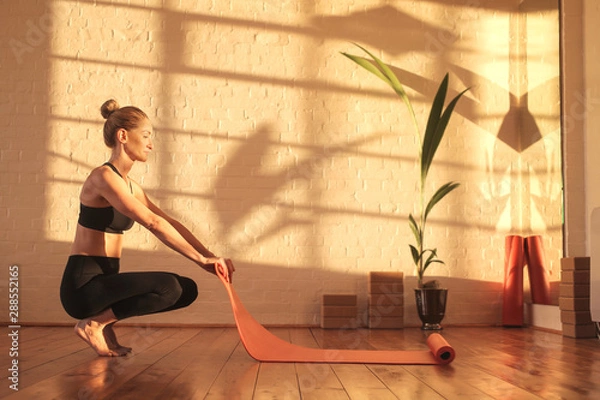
[(92, 284)]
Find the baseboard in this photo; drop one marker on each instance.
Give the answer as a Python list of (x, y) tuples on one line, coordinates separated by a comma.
[(541, 316)]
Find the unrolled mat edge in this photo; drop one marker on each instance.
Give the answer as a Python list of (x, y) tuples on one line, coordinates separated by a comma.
[(263, 346)]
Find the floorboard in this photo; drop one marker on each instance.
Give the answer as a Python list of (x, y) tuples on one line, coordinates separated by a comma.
[(211, 363)]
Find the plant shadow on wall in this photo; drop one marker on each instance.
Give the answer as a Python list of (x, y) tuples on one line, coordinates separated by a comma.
[(523, 165), (260, 212), (376, 26), (260, 209), (516, 131), (430, 298), (254, 181)]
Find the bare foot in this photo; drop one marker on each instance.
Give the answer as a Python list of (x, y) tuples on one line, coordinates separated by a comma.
[(111, 341), (91, 332)]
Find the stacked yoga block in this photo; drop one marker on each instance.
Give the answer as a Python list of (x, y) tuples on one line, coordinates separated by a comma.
[(574, 298), (386, 300), (339, 311)]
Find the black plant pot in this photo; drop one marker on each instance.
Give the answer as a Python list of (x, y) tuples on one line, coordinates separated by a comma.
[(431, 306)]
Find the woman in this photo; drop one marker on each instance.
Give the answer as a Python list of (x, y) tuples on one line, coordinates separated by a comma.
[(92, 289)]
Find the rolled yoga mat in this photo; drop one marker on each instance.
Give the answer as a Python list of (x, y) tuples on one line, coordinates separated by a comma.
[(512, 303), (539, 281), (263, 346)]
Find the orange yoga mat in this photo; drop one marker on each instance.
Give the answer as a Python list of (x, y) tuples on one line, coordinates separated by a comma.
[(512, 307), (539, 280), (264, 346)]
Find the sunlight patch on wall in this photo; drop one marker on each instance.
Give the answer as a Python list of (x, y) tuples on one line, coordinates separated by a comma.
[(93, 58), (275, 148)]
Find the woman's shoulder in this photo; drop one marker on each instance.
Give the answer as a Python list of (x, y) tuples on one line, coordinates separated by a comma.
[(100, 177), (103, 177), (92, 186), (99, 171)]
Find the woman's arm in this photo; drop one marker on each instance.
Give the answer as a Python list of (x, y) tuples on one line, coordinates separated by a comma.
[(183, 231), (172, 233), (188, 236), (211, 260)]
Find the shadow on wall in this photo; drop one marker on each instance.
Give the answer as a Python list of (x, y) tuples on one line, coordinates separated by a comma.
[(293, 297), (259, 210), (27, 114), (395, 32), (385, 28), (391, 30), (24, 124), (274, 295)]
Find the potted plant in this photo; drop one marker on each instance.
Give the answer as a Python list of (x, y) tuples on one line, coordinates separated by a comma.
[(430, 298)]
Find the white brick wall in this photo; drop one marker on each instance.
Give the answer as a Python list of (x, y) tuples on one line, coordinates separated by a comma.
[(274, 148)]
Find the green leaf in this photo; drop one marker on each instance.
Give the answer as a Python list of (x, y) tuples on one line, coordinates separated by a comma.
[(439, 195), (431, 259), (436, 126), (384, 72), (393, 80), (366, 64), (429, 262), (415, 254), (430, 140), (415, 229)]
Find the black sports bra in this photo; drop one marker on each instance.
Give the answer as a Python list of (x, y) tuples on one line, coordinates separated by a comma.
[(105, 219)]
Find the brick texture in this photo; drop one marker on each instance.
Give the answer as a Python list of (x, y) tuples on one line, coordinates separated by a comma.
[(278, 151)]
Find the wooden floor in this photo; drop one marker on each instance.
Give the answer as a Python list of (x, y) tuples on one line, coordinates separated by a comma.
[(210, 363)]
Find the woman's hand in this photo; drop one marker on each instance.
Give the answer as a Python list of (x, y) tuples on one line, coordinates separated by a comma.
[(225, 264)]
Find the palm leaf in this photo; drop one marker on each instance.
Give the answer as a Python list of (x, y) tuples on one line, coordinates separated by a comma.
[(431, 259), (430, 140), (384, 72), (415, 229), (415, 254), (439, 195), (429, 262), (432, 137), (366, 64), (436, 126)]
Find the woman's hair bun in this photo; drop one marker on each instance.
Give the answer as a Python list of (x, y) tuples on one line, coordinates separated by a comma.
[(108, 108)]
